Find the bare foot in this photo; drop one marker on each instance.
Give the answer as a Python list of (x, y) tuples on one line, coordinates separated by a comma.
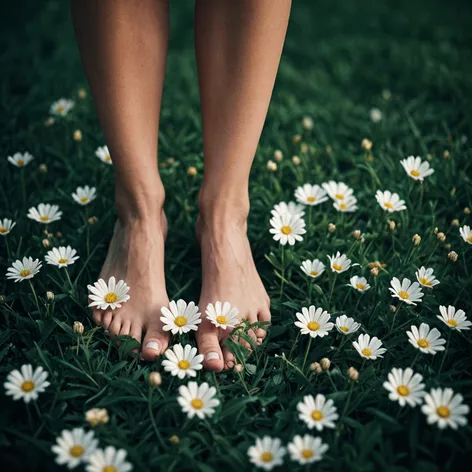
[(136, 255), (229, 274)]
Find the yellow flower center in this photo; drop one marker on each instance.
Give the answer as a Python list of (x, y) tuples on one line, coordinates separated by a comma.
[(317, 415), (469, 239), (367, 352), (443, 411), (60, 109), (307, 453), (25, 273), (344, 328), (403, 390), (337, 267), (184, 364), (339, 196), (314, 273), (44, 218), (423, 343), (109, 468), (27, 386), (3, 230), (424, 281), (414, 173), (221, 319), (111, 297), (20, 162), (360, 286), (388, 205), (313, 326), (62, 261), (403, 295), (452, 322), (267, 457), (76, 451), (180, 321), (286, 229), (107, 159), (197, 403), (310, 199), (84, 199), (343, 206)]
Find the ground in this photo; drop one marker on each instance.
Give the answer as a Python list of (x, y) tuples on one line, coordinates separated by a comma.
[(412, 61)]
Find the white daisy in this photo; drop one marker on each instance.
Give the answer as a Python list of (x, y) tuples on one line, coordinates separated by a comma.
[(306, 449), (346, 206), (415, 168), (61, 256), (6, 226), (26, 384), (339, 263), (441, 406), (425, 339), (109, 460), (466, 234), (426, 278), (406, 291), (108, 296), (45, 213), (375, 115), (61, 107), (317, 412), (198, 399), (222, 315), (287, 228), (313, 268), (405, 387), (104, 154), (182, 361), (290, 207), (74, 447), (390, 201), (310, 195), (20, 159), (359, 283), (180, 318), (23, 269), (454, 319), (369, 348), (337, 191), (84, 195), (314, 321), (346, 325), (267, 453)]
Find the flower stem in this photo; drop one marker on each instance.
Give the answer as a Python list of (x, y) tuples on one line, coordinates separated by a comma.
[(283, 278), (153, 420), (445, 352), (34, 295), (23, 187), (69, 280), (332, 288), (306, 353)]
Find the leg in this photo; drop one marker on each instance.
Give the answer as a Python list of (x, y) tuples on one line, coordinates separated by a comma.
[(124, 46), (238, 48)]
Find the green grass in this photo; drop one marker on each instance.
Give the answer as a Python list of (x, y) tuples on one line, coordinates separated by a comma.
[(337, 60)]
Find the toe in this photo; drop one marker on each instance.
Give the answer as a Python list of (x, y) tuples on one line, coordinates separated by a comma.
[(115, 326), (155, 342), (209, 346), (136, 331), (97, 317), (261, 333), (228, 358), (125, 328), (107, 318)]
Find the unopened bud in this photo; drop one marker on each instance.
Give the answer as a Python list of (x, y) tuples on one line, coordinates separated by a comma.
[(447, 247), (467, 210), (239, 368), (374, 271), (97, 416), (50, 295), (441, 236), (304, 148), (77, 135), (278, 156), (446, 154), (43, 168), (192, 171), (453, 256), (353, 374), (78, 328), (366, 144), (416, 239), (174, 439), (49, 122), (296, 160), (331, 228), (356, 234), (155, 379), (92, 220), (393, 308), (329, 149), (391, 224), (59, 234), (436, 230), (386, 94), (171, 161), (455, 222), (325, 363), (82, 93), (46, 243), (2, 298), (271, 166), (307, 123), (296, 139), (315, 367)]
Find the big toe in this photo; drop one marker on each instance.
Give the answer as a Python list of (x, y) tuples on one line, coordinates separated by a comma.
[(155, 342), (209, 346)]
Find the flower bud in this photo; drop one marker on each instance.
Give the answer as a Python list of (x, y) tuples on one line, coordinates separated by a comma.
[(331, 228), (393, 308), (304, 148), (307, 123), (174, 439), (353, 374), (446, 154), (59, 234), (391, 224), (441, 236), (46, 243), (455, 222), (271, 166), (278, 156), (467, 210), (78, 328), (374, 271), (77, 135), (82, 93), (296, 139), (386, 95), (97, 416), (366, 144), (155, 379), (315, 367), (192, 171), (43, 168), (447, 247), (296, 160), (356, 234), (49, 122), (171, 161), (329, 149), (436, 230), (50, 296), (453, 256), (92, 220), (239, 368), (325, 363), (416, 239), (2, 298)]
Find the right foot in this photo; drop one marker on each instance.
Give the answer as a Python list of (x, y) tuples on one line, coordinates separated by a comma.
[(136, 255)]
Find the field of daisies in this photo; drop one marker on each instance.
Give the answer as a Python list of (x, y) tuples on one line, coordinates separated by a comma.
[(360, 225)]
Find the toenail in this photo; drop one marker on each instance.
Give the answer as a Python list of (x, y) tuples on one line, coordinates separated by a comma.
[(259, 340), (212, 355), (152, 345), (230, 364)]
